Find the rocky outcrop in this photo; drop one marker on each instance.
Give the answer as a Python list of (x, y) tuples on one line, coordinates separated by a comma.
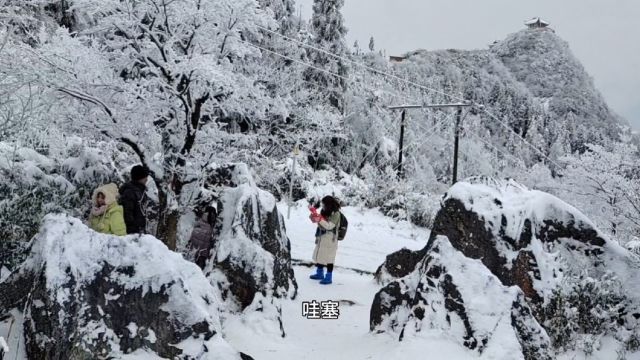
[(88, 294), (251, 256), (451, 294), (518, 238)]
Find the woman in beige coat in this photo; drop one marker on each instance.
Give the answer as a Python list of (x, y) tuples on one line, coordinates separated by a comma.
[(326, 248)]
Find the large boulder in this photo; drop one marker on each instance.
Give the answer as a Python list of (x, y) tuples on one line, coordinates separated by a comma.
[(88, 295), (251, 256), (571, 277), (449, 293), (529, 238)]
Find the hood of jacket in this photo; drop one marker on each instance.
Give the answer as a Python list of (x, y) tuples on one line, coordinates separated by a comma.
[(110, 192)]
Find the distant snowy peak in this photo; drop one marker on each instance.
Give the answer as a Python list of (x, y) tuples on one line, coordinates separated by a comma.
[(545, 64), (531, 80)]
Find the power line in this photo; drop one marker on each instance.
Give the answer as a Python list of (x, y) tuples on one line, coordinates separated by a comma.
[(481, 107), (520, 137), (412, 145), (309, 65), (504, 153), (361, 64)]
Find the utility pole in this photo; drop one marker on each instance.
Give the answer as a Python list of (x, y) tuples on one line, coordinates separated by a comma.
[(458, 106), (402, 122), (455, 146)]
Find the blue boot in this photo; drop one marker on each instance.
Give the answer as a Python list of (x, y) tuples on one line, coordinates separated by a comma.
[(319, 275), (327, 279)]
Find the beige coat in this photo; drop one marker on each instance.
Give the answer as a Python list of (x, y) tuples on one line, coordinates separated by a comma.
[(327, 240)]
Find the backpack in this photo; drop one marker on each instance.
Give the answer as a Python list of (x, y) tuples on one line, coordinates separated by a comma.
[(342, 229)]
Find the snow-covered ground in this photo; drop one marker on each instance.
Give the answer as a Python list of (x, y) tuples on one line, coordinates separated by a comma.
[(370, 238)]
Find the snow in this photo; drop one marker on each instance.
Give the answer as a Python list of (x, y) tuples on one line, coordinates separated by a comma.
[(346, 338), (4, 273), (233, 241), (508, 202), (11, 330), (488, 303), (4, 348), (370, 238), (133, 329), (66, 246), (517, 203)]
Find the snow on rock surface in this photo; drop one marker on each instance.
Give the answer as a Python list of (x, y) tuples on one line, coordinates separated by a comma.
[(460, 297), (526, 250), (87, 294), (251, 256), (529, 238)]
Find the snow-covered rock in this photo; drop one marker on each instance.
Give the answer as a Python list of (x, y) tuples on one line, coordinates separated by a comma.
[(522, 251), (251, 255), (462, 298), (529, 238), (87, 294)]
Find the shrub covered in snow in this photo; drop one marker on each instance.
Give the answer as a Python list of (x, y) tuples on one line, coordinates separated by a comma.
[(585, 310)]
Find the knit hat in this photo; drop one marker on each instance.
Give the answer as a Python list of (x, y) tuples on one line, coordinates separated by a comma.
[(139, 172)]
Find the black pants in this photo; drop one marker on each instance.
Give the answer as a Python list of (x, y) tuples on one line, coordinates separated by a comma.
[(329, 267)]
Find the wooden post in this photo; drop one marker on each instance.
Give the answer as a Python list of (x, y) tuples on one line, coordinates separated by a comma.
[(402, 122)]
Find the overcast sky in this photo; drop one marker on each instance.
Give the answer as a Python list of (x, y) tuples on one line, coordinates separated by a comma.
[(603, 34)]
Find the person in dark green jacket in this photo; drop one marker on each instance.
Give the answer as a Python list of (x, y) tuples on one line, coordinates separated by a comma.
[(106, 215)]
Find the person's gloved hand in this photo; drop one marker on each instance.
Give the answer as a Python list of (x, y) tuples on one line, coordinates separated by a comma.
[(315, 218)]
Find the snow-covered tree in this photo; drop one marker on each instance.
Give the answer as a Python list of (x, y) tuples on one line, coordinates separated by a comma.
[(327, 26), (372, 45), (283, 11), (356, 48), (604, 183), (159, 76)]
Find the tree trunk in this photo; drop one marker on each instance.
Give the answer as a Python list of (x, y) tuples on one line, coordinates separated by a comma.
[(168, 216), (168, 228)]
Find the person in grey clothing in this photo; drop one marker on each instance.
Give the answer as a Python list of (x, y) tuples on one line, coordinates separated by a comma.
[(202, 235)]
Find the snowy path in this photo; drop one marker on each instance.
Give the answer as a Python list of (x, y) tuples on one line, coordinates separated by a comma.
[(371, 237)]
